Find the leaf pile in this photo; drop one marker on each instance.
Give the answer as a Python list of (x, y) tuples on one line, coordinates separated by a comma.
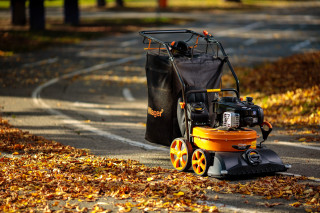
[(42, 174), (300, 71), (288, 89), (298, 107), (18, 142)]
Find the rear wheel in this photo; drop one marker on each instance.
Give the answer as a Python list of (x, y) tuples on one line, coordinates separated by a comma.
[(201, 162), (180, 154)]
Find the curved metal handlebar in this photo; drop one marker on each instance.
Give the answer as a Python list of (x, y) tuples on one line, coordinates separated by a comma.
[(143, 33), (215, 90), (147, 34)]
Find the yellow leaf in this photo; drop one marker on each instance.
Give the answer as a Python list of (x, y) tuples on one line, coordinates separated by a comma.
[(213, 209), (308, 191), (302, 139), (313, 200), (15, 153), (55, 203), (296, 204), (34, 194), (124, 209), (178, 194), (287, 188), (150, 179), (289, 192)]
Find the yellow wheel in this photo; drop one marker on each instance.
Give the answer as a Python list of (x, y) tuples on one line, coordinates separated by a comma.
[(180, 154), (201, 161)]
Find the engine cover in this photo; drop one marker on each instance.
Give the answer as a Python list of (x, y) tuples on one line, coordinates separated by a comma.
[(250, 114)]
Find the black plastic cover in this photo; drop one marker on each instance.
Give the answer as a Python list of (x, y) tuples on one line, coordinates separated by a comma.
[(236, 164)]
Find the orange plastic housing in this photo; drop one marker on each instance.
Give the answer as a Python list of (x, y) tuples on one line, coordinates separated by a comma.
[(221, 140)]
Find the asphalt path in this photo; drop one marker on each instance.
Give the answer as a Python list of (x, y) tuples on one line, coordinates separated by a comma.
[(99, 99)]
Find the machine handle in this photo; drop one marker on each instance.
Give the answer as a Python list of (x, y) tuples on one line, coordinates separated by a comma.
[(168, 32), (206, 33), (147, 34), (215, 90)]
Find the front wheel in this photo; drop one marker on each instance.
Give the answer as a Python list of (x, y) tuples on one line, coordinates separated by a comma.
[(201, 161), (180, 154)]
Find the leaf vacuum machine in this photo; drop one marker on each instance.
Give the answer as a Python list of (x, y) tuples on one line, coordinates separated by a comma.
[(205, 123)]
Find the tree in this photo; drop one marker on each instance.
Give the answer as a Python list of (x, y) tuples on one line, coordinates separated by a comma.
[(101, 3), (18, 12), (120, 3), (37, 15), (71, 12), (239, 1)]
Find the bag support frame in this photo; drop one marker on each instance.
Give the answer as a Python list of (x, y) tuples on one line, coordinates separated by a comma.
[(210, 40)]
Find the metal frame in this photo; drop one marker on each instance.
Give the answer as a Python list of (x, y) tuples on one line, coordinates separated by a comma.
[(210, 40)]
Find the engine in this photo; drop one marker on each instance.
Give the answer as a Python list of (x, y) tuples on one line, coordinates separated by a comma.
[(229, 112), (233, 113)]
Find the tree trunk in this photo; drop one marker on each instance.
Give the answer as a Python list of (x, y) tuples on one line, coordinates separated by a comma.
[(101, 3), (239, 1), (18, 12), (71, 12), (162, 4), (120, 3), (37, 14)]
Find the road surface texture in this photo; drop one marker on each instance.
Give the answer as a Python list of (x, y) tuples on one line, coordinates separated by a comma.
[(97, 98)]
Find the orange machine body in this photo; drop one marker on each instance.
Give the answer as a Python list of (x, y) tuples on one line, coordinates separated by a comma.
[(222, 140)]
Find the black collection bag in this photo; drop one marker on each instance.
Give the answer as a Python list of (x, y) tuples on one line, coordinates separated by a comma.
[(202, 71)]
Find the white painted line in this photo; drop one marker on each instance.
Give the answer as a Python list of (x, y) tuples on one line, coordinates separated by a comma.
[(93, 107), (300, 45), (253, 26), (68, 120), (296, 145), (88, 105), (103, 112), (127, 94), (42, 62), (297, 175), (129, 43), (239, 29), (250, 42)]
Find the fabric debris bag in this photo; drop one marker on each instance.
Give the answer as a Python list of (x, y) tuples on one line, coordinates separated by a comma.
[(202, 71)]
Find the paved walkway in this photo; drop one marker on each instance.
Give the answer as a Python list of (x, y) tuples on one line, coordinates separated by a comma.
[(104, 110)]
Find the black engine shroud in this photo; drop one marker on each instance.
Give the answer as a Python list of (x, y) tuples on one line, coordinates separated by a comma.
[(250, 114)]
